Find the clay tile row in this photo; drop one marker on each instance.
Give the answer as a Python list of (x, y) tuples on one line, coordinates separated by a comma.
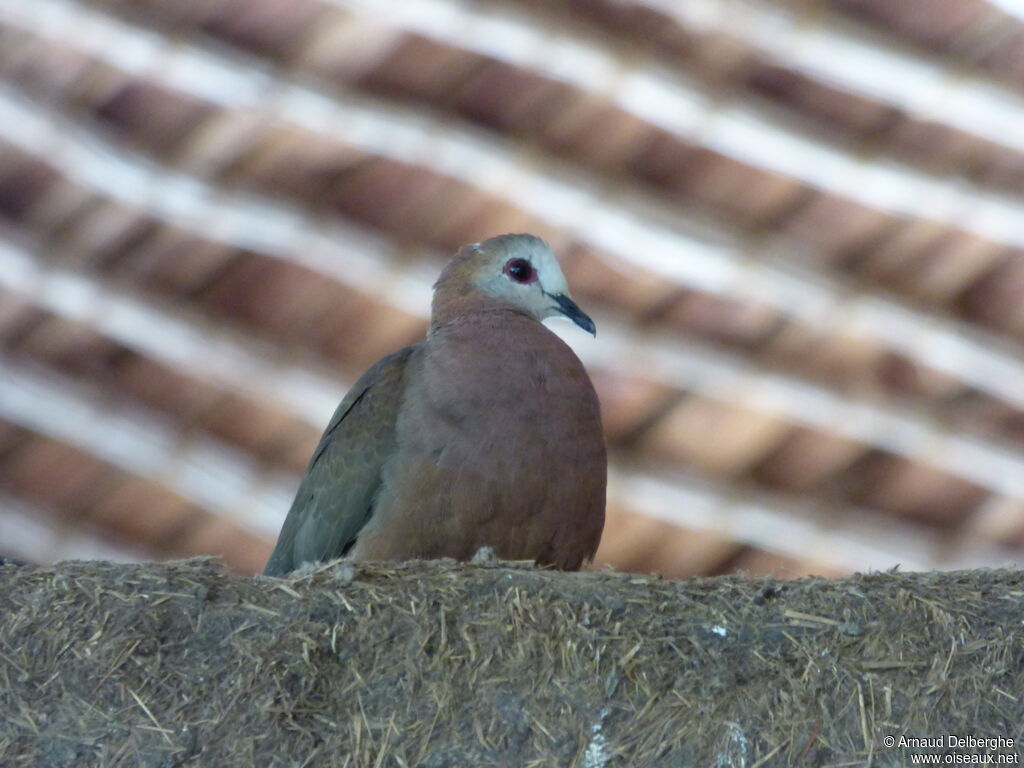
[(566, 120), (976, 32), (738, 444), (278, 299), (407, 201), (263, 429), (286, 302), (78, 489), (723, 61)]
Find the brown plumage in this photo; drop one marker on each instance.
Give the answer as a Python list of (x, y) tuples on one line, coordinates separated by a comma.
[(486, 434)]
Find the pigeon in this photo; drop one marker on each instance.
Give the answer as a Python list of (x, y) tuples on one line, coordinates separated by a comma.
[(486, 434)]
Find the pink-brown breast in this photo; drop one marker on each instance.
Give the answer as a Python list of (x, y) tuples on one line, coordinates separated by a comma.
[(499, 444)]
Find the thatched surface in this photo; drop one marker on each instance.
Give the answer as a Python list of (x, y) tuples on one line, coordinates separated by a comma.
[(437, 664)]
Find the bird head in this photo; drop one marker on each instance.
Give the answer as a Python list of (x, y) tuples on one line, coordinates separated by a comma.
[(517, 270)]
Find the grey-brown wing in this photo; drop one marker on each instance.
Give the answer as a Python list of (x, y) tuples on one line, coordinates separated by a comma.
[(336, 495)]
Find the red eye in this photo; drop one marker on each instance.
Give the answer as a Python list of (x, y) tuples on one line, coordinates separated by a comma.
[(520, 270)]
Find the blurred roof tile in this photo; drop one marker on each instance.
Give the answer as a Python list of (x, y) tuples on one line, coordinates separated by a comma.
[(934, 23), (835, 225), (279, 298), (858, 114), (718, 438), (602, 135), (140, 510), (256, 427), (597, 275), (994, 299), (67, 345), (162, 387), (806, 459), (345, 47), (151, 115), (629, 403), (734, 323), (295, 163), (509, 97), (267, 27), (181, 264), (23, 181), (51, 473), (242, 551), (418, 66), (908, 489)]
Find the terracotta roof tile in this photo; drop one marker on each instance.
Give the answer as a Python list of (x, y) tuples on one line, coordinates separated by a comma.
[(73, 237), (50, 473), (716, 437), (806, 460), (138, 510), (266, 27), (911, 490)]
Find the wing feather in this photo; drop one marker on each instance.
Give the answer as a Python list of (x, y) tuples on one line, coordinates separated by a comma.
[(336, 496)]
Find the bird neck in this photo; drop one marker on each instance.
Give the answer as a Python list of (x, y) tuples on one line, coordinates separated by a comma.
[(455, 308)]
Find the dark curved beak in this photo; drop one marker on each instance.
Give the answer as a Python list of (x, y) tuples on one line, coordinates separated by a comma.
[(569, 308)]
